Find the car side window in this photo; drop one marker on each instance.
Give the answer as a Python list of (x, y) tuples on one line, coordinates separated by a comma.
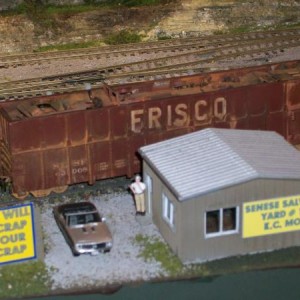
[(80, 219), (90, 218), (72, 221)]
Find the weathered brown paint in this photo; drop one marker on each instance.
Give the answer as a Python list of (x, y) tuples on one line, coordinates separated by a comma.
[(76, 142), (293, 107)]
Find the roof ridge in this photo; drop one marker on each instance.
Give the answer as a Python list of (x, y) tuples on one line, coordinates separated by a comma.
[(229, 146)]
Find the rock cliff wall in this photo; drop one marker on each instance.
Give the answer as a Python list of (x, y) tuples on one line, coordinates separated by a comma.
[(19, 34), (9, 4)]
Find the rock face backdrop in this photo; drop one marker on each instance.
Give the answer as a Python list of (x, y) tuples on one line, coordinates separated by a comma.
[(9, 4), (19, 33)]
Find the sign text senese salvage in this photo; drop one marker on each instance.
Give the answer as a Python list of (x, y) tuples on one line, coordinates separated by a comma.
[(271, 216)]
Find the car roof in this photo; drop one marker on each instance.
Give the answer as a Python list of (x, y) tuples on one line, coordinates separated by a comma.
[(76, 208)]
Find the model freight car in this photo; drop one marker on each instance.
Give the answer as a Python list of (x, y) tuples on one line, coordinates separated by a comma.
[(50, 142)]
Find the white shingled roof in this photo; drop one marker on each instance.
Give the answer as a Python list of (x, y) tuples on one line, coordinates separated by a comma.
[(211, 159)]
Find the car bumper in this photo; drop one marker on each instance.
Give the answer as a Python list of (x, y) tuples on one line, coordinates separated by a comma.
[(93, 249)]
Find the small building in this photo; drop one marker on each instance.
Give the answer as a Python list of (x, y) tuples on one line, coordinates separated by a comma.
[(217, 193)]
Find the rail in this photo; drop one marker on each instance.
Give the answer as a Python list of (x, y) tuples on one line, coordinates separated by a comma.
[(185, 62)]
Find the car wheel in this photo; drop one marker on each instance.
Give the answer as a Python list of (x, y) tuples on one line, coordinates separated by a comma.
[(75, 253)]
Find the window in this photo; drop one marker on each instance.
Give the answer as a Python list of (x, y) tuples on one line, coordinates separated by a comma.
[(221, 222), (168, 210), (85, 218)]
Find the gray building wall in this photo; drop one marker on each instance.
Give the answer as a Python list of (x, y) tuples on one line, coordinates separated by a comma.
[(171, 235), (187, 238), (195, 247)]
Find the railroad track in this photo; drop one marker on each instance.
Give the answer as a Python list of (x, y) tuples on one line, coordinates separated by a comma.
[(192, 67), (134, 50), (138, 71)]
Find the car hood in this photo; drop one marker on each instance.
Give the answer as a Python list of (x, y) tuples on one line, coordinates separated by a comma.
[(92, 233)]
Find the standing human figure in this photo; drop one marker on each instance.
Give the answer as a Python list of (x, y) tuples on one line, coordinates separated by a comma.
[(138, 188)]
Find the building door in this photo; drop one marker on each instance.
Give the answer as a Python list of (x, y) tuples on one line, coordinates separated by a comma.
[(149, 185)]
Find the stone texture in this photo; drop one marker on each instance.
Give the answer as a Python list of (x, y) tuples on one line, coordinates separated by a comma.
[(16, 34), (206, 17), (9, 4), (184, 17)]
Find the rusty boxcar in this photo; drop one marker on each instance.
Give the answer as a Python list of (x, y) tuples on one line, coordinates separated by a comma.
[(50, 142)]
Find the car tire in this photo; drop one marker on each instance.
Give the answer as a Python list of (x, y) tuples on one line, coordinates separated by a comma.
[(75, 253)]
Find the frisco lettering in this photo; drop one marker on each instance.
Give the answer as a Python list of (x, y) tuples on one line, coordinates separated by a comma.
[(177, 115)]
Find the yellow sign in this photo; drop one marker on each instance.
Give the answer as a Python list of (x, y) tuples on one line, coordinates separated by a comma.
[(271, 216), (17, 236)]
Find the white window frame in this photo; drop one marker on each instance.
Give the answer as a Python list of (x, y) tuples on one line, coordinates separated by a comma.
[(168, 210), (221, 232)]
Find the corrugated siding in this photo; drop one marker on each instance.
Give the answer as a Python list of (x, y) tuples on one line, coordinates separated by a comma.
[(171, 235), (213, 159), (195, 247)]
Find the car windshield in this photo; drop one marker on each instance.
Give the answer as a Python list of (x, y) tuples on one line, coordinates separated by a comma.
[(81, 219)]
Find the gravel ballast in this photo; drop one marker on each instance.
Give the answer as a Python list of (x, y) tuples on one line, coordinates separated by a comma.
[(78, 65), (121, 265)]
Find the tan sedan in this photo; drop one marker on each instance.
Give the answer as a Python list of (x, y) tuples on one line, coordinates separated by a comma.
[(83, 228)]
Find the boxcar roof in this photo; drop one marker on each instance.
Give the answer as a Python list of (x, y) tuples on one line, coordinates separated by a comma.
[(212, 159)]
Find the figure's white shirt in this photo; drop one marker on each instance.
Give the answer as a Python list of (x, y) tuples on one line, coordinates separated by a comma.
[(138, 187)]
